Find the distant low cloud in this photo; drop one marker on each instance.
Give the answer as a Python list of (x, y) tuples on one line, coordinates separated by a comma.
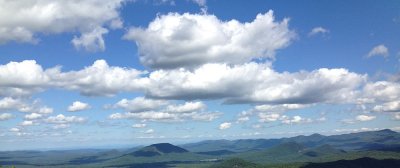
[(168, 112), (61, 119), (379, 50), (78, 106), (318, 30), (225, 125)]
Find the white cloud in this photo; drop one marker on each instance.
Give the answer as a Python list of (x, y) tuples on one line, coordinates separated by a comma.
[(15, 129), (78, 106), (5, 116), (295, 120), (27, 123), (318, 30), (27, 77), (138, 125), (32, 17), (140, 104), (279, 108), (188, 40), (100, 79), (33, 116), (186, 108), (396, 116), (225, 125), (256, 83), (61, 119), (167, 117), (379, 50), (91, 41), (45, 110), (380, 91), (365, 118), (268, 117), (393, 106)]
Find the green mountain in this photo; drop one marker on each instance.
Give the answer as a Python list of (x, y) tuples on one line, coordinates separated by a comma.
[(158, 149), (385, 140)]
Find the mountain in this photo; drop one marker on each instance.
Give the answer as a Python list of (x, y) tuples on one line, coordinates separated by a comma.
[(158, 149), (385, 140)]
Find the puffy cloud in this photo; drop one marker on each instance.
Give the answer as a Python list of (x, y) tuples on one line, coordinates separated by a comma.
[(27, 123), (78, 106), (32, 17), (99, 79), (380, 91), (160, 110), (188, 40), (140, 104), (393, 106), (10, 104), (364, 118), (318, 30), (6, 116), (225, 125), (186, 108), (138, 125), (379, 50), (61, 119), (255, 83), (33, 116)]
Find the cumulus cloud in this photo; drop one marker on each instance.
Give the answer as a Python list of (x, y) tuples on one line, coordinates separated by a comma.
[(318, 30), (32, 17), (22, 105), (141, 108), (5, 116), (140, 104), (393, 106), (27, 123), (33, 116), (78, 106), (99, 79), (189, 40), (61, 119), (365, 118), (379, 50), (256, 83), (225, 125)]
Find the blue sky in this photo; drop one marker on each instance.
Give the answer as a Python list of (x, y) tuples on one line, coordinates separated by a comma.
[(122, 73)]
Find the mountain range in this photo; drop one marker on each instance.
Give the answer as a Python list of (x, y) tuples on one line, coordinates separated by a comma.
[(296, 151)]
